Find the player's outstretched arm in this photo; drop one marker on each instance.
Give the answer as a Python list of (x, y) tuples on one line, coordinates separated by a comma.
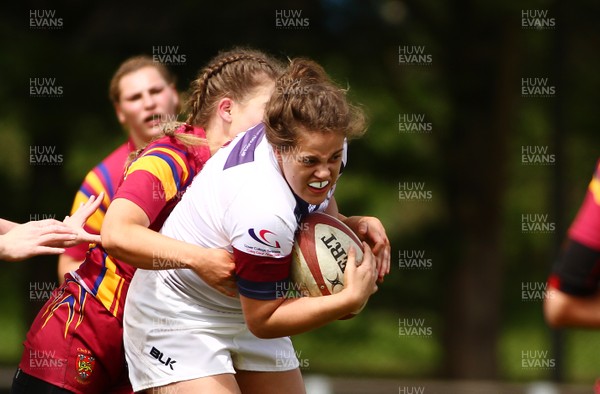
[(565, 310), (78, 219), (126, 236), (6, 226), (23, 241), (284, 317), (49, 236), (573, 298)]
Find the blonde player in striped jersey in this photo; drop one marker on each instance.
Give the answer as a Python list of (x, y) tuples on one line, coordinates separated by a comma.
[(49, 236)]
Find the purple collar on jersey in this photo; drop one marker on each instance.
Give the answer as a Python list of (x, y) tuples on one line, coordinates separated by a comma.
[(243, 152)]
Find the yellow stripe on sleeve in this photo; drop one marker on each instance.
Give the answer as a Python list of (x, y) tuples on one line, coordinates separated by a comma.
[(177, 158), (161, 170)]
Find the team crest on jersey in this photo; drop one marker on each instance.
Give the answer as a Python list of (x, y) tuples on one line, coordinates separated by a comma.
[(261, 238), (85, 366)]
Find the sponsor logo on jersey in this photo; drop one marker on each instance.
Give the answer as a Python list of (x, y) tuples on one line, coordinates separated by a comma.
[(261, 238)]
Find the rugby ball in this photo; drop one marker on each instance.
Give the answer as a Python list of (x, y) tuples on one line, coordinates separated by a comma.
[(320, 255)]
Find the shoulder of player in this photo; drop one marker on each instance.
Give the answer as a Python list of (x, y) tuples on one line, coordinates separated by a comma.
[(176, 153), (262, 203), (243, 148)]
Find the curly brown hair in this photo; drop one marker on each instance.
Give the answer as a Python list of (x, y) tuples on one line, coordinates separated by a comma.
[(306, 99)]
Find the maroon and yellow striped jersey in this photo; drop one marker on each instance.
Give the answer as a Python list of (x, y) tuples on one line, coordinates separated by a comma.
[(155, 182), (105, 177)]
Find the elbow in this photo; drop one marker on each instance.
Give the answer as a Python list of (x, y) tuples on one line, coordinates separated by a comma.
[(260, 329), (109, 244), (111, 241), (261, 318), (555, 309), (552, 316)]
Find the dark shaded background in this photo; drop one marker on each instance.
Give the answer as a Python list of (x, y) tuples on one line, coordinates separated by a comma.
[(470, 162)]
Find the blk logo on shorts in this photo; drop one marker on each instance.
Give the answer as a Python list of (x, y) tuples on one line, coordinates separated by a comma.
[(157, 354)]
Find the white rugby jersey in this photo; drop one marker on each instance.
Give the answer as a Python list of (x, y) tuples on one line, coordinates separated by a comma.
[(241, 202)]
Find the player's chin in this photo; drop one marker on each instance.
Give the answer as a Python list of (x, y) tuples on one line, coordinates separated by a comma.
[(153, 129), (315, 200), (315, 196)]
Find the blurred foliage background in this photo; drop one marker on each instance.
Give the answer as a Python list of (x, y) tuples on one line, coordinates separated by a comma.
[(469, 90)]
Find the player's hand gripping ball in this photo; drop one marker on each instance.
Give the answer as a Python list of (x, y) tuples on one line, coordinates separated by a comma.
[(320, 255)]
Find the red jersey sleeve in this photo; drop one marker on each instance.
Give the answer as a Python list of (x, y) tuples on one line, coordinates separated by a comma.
[(586, 227), (577, 268), (158, 176), (261, 277)]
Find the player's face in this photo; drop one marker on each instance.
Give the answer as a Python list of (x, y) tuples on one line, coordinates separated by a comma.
[(312, 167), (145, 101), (250, 111)]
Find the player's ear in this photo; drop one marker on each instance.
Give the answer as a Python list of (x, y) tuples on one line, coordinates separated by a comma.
[(278, 155), (224, 109)]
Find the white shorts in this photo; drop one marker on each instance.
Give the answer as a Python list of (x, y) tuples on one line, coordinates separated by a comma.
[(169, 339)]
